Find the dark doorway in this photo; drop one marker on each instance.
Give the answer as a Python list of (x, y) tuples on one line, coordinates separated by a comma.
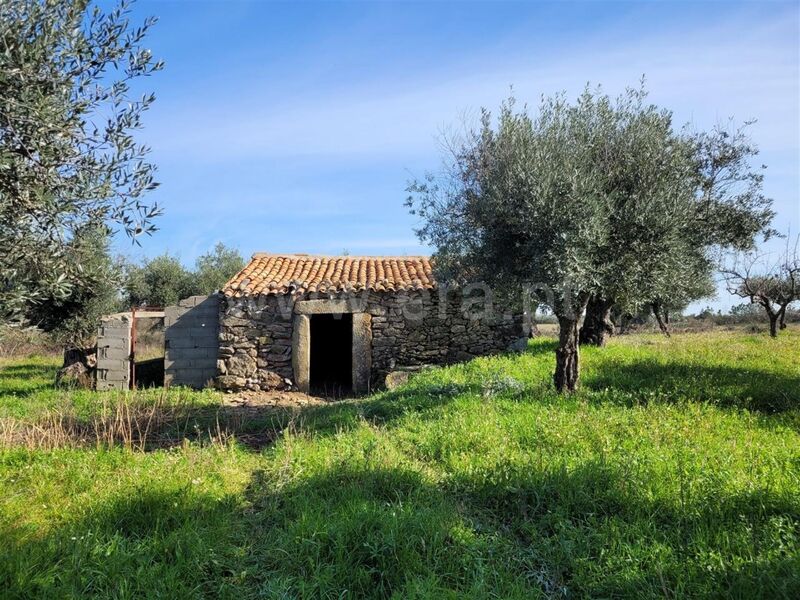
[(331, 368)]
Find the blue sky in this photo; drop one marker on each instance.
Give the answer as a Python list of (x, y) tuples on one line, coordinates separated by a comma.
[(295, 126)]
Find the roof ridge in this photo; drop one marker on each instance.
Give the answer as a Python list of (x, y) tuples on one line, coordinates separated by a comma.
[(305, 255)]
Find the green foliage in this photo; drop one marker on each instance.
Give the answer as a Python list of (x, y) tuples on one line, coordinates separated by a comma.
[(600, 196), (597, 197), (164, 280), (674, 472), (161, 281), (214, 269), (73, 319), (732, 207), (68, 157), (580, 198)]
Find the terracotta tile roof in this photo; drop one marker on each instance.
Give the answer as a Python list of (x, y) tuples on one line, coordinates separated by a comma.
[(299, 273)]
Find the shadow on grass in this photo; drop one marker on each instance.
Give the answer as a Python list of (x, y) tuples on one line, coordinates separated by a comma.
[(151, 426), (725, 386), (165, 425), (420, 396), (608, 532), (171, 542), (365, 529), (15, 379)]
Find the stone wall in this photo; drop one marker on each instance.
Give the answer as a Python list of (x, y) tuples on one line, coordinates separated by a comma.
[(113, 353), (191, 341), (255, 343), (424, 328), (407, 330)]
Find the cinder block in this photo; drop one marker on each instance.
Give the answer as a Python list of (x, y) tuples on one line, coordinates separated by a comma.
[(111, 385), (201, 309), (114, 332), (191, 353), (113, 342), (116, 376), (211, 310), (204, 342), (181, 342), (112, 364), (189, 363), (192, 326), (112, 375), (171, 316), (209, 303), (200, 325), (120, 322), (193, 301), (190, 377), (112, 353)]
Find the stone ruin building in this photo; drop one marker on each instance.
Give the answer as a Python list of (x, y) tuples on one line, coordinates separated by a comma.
[(327, 324)]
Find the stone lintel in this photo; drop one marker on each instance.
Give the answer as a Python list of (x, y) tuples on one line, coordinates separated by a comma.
[(318, 307)]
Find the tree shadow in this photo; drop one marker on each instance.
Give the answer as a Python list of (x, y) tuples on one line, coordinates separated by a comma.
[(608, 533), (172, 542), (367, 528), (650, 379), (15, 379), (640, 382)]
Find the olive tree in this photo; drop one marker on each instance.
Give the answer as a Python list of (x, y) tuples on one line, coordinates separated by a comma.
[(213, 269), (164, 280), (69, 160), (698, 283), (160, 281), (773, 285), (72, 320), (730, 210), (576, 198)]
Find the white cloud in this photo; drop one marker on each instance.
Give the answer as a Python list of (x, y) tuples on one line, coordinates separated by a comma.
[(704, 73), (287, 165)]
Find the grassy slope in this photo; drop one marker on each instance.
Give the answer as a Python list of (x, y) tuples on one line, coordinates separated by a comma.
[(676, 471)]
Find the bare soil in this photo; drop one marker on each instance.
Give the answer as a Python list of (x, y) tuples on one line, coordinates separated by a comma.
[(272, 399)]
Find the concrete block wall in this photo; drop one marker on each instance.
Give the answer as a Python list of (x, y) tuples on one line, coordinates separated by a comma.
[(191, 341), (113, 353)]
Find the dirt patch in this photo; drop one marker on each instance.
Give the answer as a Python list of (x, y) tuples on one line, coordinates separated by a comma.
[(273, 399)]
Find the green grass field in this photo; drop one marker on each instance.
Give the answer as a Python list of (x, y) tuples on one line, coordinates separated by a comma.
[(674, 472)]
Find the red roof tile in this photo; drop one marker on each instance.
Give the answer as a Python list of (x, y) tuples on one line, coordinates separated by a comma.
[(300, 273)]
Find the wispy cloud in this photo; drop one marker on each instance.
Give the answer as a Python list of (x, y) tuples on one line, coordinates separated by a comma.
[(704, 73), (299, 154)]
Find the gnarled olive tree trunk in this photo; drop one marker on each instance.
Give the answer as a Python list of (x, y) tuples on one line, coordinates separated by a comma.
[(659, 313), (597, 324), (78, 369), (773, 323), (567, 355), (775, 317)]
